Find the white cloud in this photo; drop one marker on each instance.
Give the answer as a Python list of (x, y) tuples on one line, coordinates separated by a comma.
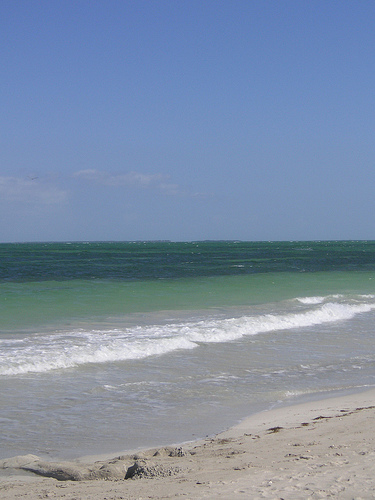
[(30, 190), (169, 188), (90, 175), (137, 179)]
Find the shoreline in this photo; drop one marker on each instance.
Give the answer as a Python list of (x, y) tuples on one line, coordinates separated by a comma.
[(276, 411), (314, 449)]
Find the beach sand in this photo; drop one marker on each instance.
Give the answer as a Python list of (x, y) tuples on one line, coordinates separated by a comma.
[(323, 449)]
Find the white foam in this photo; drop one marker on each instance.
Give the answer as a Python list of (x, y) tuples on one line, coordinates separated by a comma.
[(319, 299), (42, 353), (310, 300), (46, 359)]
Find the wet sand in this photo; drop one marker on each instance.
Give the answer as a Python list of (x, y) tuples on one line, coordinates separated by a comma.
[(321, 449)]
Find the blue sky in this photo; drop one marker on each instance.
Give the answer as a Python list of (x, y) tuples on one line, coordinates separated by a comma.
[(187, 120)]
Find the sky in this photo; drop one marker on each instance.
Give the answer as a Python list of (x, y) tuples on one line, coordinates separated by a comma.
[(187, 120)]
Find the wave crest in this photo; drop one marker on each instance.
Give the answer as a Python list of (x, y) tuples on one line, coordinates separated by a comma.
[(43, 353)]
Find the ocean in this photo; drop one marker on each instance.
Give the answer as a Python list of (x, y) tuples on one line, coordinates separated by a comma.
[(106, 347)]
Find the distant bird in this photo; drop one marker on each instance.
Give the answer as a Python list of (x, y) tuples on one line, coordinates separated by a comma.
[(33, 178)]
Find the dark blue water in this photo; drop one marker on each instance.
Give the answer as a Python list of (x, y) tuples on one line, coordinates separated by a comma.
[(168, 260)]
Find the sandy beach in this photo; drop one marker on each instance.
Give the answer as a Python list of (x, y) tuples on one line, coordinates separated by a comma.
[(323, 449)]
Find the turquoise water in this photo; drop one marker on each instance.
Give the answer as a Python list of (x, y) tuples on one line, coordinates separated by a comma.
[(53, 282), (35, 304), (160, 342)]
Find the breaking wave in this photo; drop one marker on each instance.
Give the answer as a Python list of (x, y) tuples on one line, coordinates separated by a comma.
[(71, 349)]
